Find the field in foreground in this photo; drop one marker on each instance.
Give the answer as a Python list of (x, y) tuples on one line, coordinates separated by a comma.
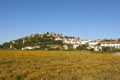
[(58, 65)]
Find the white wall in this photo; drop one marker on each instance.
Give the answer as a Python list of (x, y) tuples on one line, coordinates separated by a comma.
[(110, 45)]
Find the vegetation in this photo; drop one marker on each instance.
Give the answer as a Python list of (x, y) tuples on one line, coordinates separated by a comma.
[(82, 47), (58, 65), (1, 47), (53, 41), (110, 49), (119, 39), (41, 40)]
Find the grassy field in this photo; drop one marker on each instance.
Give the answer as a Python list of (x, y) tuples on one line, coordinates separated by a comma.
[(58, 65)]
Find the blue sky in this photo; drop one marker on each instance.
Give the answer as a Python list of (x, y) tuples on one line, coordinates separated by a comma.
[(87, 19)]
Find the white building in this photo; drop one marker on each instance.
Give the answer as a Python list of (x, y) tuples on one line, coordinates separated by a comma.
[(92, 44), (97, 48), (72, 41), (84, 42), (110, 44), (65, 47), (30, 47), (75, 46), (58, 38)]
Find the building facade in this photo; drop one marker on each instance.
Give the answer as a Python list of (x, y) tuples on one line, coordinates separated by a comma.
[(110, 44)]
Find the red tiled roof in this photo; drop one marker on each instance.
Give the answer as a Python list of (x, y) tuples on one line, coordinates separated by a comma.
[(110, 42)]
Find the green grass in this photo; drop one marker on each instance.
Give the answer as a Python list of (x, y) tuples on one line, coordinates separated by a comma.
[(58, 65)]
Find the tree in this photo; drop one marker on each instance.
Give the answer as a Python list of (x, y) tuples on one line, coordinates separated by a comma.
[(1, 46), (70, 47), (47, 33), (58, 42), (119, 39), (6, 45), (82, 47), (110, 49)]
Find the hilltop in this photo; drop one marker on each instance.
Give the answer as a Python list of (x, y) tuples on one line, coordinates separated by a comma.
[(56, 41), (41, 41), (45, 41)]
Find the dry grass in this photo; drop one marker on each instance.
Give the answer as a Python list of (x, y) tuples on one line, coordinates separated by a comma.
[(58, 65)]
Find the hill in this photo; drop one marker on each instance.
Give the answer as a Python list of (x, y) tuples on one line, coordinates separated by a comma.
[(36, 41), (54, 41)]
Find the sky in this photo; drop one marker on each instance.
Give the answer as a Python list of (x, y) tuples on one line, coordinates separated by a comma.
[(86, 19)]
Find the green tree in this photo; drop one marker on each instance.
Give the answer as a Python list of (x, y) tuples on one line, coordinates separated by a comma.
[(6, 45), (1, 46), (70, 47), (119, 39), (110, 49), (82, 47)]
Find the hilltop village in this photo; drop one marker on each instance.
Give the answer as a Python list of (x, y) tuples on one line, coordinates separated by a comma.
[(54, 41)]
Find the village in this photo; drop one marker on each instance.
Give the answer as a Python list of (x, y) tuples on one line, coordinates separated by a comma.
[(54, 41), (96, 45)]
